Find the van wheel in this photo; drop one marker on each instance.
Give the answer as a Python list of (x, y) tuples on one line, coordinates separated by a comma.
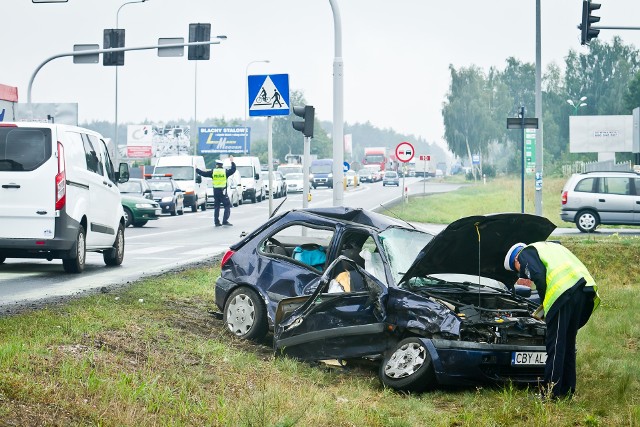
[(128, 217), (115, 255), (78, 254), (194, 207), (203, 206), (174, 211), (253, 198), (245, 315), (408, 367), (587, 221)]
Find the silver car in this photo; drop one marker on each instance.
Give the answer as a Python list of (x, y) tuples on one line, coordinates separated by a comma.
[(593, 198)]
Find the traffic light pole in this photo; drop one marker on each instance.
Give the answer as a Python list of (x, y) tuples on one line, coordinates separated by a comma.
[(270, 160), (306, 163), (115, 50)]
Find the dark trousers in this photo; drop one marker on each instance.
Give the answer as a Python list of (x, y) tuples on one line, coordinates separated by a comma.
[(562, 329), (220, 198)]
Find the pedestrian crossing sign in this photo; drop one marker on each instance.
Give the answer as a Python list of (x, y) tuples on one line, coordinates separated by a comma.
[(268, 95)]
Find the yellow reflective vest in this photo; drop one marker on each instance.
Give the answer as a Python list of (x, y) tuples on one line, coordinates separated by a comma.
[(219, 177), (564, 270)]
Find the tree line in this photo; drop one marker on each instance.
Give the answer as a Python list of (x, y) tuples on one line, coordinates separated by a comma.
[(479, 101)]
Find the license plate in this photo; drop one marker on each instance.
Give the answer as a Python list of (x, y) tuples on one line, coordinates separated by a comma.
[(158, 211), (528, 358)]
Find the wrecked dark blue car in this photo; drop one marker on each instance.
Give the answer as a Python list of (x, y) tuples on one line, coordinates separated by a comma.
[(430, 310)]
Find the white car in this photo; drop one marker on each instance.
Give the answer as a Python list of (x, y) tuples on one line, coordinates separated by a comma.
[(295, 182), (278, 184)]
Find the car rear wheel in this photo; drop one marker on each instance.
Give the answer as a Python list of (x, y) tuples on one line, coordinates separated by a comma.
[(174, 211), (75, 263), (408, 367), (587, 221), (128, 217), (115, 255), (245, 315)]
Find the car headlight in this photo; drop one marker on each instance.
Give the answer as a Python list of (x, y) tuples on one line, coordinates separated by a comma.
[(330, 175), (167, 199), (144, 205)]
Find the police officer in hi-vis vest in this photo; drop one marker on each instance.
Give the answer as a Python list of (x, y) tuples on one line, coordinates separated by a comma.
[(569, 295), (219, 177)]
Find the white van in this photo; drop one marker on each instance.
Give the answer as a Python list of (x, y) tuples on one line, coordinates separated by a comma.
[(249, 169), (58, 195), (183, 171)]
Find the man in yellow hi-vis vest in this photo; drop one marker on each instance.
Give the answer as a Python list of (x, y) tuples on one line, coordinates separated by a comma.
[(219, 177), (569, 295)]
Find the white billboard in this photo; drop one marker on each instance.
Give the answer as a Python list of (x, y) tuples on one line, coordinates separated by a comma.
[(157, 140), (600, 134)]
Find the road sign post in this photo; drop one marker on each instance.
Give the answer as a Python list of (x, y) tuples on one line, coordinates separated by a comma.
[(521, 122), (404, 154)]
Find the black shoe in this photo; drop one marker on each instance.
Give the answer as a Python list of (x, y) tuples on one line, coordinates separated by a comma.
[(218, 224), (227, 223)]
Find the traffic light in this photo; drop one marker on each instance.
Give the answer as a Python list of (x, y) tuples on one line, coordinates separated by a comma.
[(306, 112), (588, 33), (199, 33), (113, 38)]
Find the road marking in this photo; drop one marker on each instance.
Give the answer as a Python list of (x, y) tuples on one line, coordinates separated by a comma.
[(153, 250)]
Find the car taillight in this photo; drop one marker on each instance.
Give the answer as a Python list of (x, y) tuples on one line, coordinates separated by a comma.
[(226, 257), (564, 197), (61, 182)]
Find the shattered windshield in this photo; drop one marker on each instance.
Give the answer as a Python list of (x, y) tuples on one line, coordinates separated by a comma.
[(402, 246)]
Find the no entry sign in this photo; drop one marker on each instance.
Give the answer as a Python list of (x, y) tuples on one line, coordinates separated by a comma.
[(404, 152)]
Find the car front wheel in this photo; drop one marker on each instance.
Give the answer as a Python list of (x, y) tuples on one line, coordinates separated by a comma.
[(128, 217), (245, 315), (587, 221), (408, 367)]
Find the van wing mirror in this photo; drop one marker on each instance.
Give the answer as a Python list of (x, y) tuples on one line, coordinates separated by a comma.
[(257, 176), (123, 173), (198, 179)]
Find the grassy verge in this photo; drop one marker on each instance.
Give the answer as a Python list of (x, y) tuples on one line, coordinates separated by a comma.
[(113, 359)]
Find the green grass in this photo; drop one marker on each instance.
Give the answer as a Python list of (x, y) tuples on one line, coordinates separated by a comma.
[(110, 360)]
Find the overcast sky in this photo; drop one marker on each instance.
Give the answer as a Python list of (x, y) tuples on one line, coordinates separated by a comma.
[(396, 53)]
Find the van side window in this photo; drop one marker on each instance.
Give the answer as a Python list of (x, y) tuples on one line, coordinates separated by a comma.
[(95, 143), (616, 186), (637, 183), (585, 186), (107, 163), (93, 163)]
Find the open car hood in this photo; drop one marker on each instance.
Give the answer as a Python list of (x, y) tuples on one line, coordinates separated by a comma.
[(477, 245)]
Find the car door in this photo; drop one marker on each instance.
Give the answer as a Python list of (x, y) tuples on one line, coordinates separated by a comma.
[(334, 323), (636, 200), (614, 202)]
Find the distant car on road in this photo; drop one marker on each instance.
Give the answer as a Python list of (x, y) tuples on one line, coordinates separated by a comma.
[(295, 182), (279, 185), (139, 210), (136, 187), (167, 193), (391, 178), (365, 175), (352, 178)]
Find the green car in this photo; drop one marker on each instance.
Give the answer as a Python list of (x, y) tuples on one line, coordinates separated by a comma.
[(139, 210)]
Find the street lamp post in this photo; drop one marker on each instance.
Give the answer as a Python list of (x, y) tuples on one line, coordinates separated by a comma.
[(577, 104), (246, 96), (338, 105), (116, 106)]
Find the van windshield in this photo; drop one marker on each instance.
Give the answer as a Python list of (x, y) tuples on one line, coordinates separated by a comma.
[(245, 171), (179, 173), (321, 168)]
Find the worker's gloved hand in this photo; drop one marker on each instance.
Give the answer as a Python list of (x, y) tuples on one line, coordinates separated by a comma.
[(524, 282)]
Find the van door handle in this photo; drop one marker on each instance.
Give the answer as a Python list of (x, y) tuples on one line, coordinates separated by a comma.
[(601, 200), (10, 186), (107, 183)]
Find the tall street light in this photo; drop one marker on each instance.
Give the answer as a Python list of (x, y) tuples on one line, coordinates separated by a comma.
[(577, 104), (246, 95), (338, 107), (116, 118), (194, 131)]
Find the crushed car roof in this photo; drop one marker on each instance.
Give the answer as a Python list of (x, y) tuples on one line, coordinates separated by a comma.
[(476, 245), (357, 215)]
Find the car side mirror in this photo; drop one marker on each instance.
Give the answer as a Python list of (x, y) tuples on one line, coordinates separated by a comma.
[(177, 190), (257, 176), (123, 173), (198, 179)]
